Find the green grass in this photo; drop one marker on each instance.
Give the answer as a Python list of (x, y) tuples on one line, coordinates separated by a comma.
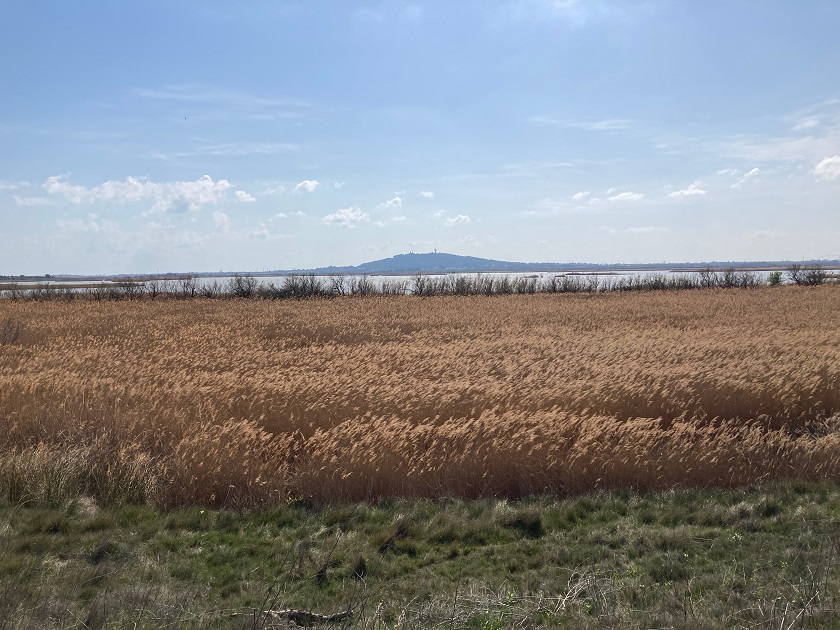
[(761, 558)]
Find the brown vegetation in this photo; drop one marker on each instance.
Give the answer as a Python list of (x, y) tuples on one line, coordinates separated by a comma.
[(247, 403)]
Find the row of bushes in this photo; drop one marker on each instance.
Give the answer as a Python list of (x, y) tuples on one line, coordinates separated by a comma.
[(309, 286)]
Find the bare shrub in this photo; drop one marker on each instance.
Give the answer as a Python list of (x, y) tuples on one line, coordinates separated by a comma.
[(11, 332), (242, 286)]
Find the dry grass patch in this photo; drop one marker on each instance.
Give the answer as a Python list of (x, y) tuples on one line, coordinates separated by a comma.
[(247, 403)]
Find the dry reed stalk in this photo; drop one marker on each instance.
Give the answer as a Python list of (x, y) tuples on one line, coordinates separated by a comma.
[(240, 403)]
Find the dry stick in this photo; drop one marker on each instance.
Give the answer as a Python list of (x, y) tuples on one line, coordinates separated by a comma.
[(302, 617), (457, 585), (268, 593)]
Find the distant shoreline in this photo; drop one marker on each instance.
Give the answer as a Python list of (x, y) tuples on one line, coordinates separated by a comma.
[(583, 269)]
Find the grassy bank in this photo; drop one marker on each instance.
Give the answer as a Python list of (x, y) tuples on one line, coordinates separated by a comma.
[(761, 558)]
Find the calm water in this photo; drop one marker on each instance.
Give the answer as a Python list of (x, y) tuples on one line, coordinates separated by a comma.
[(377, 280)]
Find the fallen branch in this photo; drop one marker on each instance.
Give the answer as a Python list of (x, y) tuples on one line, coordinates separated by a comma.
[(302, 617)]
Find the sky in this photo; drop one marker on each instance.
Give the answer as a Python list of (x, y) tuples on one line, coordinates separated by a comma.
[(175, 136)]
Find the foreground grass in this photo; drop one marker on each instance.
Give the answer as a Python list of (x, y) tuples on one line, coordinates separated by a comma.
[(761, 558)]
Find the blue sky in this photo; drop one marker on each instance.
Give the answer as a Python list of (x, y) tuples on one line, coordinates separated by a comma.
[(204, 136)]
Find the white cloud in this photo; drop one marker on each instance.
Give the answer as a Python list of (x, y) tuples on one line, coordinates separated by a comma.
[(307, 185), (693, 190), (828, 168), (81, 225), (299, 213), (244, 197), (30, 201), (4, 185), (727, 171), (348, 217), (420, 244), (427, 194), (625, 196), (389, 221), (280, 215), (461, 218), (581, 195), (396, 202), (745, 177), (260, 233), (273, 189), (338, 185), (222, 221), (178, 196), (645, 230), (470, 241)]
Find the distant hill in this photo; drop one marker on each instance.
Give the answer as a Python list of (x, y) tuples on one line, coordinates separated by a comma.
[(433, 262), (439, 262)]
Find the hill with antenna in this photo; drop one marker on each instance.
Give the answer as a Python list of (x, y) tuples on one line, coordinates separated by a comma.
[(441, 262), (433, 262)]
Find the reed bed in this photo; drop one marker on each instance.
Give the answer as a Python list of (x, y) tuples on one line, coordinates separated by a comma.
[(248, 403)]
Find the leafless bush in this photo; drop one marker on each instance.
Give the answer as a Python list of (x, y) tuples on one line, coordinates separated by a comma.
[(11, 332), (242, 286), (210, 290), (188, 286)]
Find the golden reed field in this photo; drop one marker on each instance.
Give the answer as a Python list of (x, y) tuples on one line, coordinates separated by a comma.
[(247, 403)]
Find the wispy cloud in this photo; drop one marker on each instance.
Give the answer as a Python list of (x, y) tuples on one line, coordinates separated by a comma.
[(244, 197), (229, 149), (812, 117), (219, 102), (648, 229), (828, 168), (746, 177), (461, 218), (260, 232), (348, 217), (390, 221), (778, 149), (386, 12), (395, 202), (627, 196), (307, 185), (606, 124), (222, 221), (427, 194), (30, 201), (693, 190), (4, 185), (580, 196), (527, 168), (274, 189), (574, 13)]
